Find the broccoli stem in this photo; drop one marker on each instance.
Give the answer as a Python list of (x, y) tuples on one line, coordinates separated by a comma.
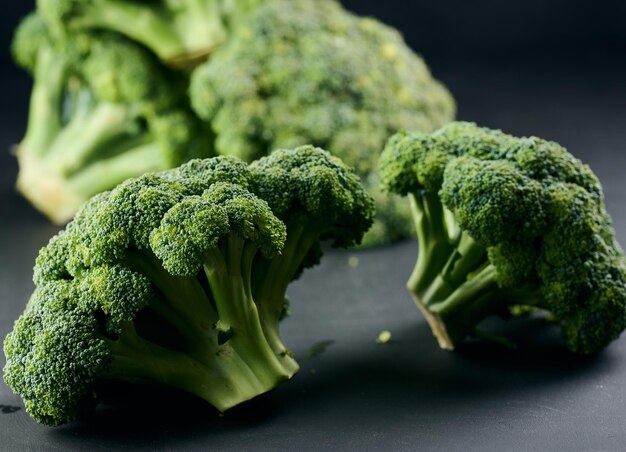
[(104, 174), (198, 317), (224, 382), (272, 277), (44, 122), (227, 273), (185, 303), (173, 33), (86, 137), (453, 283), (434, 244), (96, 150)]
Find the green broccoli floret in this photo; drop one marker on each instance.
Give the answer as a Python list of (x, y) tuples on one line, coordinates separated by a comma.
[(179, 32), (299, 72), (317, 198), (102, 110), (178, 279), (505, 223)]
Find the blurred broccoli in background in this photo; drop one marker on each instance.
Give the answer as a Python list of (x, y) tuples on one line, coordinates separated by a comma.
[(268, 74), (301, 71), (507, 224), (180, 32), (102, 110)]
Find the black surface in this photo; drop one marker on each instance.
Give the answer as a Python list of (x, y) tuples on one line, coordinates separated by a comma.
[(559, 76)]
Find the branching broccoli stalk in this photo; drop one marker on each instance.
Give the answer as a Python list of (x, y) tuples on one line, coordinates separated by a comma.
[(453, 283), (298, 72), (316, 198), (503, 223), (180, 33), (179, 278), (101, 111)]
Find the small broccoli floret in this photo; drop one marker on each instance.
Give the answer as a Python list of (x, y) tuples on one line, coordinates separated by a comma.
[(298, 72), (178, 278), (318, 198), (507, 223), (179, 32), (102, 110)]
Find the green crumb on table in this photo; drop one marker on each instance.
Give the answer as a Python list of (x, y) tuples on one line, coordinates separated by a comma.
[(353, 262), (384, 337)]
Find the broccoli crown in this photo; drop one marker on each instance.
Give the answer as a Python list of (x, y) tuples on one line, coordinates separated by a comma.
[(317, 196), (298, 72), (310, 186), (180, 33), (535, 213), (102, 110), (176, 278)]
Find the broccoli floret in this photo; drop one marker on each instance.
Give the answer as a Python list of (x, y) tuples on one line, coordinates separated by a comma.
[(102, 110), (299, 72), (316, 197), (178, 278), (505, 223), (180, 32)]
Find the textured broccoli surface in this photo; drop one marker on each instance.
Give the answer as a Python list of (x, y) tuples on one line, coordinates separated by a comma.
[(180, 32), (507, 223), (178, 278), (301, 72), (102, 110)]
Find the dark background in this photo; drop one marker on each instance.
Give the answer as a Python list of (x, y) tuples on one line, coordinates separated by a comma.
[(537, 48), (454, 29), (553, 68)]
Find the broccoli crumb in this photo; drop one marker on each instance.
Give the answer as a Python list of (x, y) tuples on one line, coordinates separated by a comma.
[(384, 337)]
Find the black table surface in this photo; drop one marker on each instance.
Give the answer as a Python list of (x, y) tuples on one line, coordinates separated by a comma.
[(351, 392)]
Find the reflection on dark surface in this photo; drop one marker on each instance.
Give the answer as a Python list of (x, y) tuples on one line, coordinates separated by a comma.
[(317, 349), (8, 409), (409, 375)]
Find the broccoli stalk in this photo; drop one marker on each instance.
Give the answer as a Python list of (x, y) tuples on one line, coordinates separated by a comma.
[(453, 283), (138, 360), (506, 222), (272, 277), (179, 279), (213, 309), (61, 168), (101, 111), (317, 198)]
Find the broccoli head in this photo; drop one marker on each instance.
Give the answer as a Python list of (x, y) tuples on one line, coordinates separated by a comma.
[(178, 279), (296, 72), (505, 223), (180, 32), (102, 110)]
